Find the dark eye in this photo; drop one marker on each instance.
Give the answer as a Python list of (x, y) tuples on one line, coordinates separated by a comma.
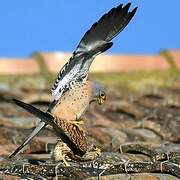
[(102, 94)]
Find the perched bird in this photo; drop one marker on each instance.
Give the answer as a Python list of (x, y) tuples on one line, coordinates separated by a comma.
[(71, 106), (67, 107)]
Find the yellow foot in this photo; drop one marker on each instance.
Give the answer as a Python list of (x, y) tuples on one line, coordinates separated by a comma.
[(65, 162), (79, 123), (93, 153), (60, 153)]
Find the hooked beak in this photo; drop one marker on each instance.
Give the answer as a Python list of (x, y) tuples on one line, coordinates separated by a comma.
[(101, 99)]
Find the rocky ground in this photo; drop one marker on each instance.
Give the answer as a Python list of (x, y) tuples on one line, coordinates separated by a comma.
[(137, 131)]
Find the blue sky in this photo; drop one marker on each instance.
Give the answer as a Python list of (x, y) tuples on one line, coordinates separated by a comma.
[(58, 25)]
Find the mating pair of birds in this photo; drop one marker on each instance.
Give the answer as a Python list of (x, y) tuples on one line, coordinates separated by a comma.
[(72, 92)]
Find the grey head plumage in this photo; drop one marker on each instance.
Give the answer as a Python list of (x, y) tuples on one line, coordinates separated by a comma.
[(95, 41), (98, 92)]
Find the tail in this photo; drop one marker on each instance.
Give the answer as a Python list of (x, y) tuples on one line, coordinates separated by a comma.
[(45, 117), (40, 126), (49, 119)]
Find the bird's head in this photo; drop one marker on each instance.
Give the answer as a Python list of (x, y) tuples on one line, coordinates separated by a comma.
[(101, 97), (99, 93)]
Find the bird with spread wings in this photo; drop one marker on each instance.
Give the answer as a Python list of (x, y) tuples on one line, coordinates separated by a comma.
[(72, 92)]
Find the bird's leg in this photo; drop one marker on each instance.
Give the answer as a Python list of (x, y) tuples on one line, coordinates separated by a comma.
[(60, 152), (64, 160), (92, 154), (79, 123)]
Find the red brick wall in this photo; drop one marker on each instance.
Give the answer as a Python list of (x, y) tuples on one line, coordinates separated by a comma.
[(103, 63)]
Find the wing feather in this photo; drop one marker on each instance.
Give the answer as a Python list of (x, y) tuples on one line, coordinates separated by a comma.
[(108, 26), (95, 41)]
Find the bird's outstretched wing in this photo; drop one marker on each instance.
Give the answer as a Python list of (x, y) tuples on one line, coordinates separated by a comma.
[(104, 30), (95, 41), (49, 119)]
